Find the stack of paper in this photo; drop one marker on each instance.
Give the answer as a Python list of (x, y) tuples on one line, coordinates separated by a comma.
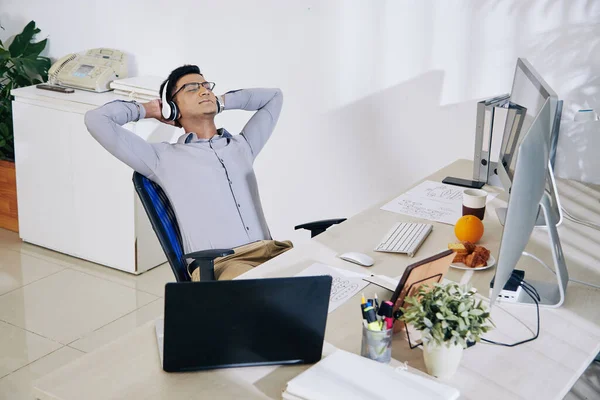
[(347, 376), (138, 87)]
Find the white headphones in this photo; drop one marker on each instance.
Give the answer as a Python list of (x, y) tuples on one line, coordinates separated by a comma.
[(169, 108)]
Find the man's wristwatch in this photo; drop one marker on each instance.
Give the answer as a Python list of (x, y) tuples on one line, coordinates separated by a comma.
[(139, 110)]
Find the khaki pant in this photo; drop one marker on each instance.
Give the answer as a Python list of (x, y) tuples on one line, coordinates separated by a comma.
[(245, 258)]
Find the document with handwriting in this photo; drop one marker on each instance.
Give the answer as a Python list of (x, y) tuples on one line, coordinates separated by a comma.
[(433, 201)]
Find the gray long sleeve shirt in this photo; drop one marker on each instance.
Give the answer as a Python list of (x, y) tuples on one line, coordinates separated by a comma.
[(210, 183)]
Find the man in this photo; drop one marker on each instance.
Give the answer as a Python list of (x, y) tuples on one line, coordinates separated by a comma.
[(208, 174)]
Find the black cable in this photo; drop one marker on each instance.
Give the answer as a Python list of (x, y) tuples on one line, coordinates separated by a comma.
[(533, 293)]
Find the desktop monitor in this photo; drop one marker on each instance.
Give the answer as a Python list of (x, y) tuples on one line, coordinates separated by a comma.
[(528, 96), (531, 168)]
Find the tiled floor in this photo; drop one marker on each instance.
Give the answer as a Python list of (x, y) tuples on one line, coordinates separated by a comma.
[(54, 308)]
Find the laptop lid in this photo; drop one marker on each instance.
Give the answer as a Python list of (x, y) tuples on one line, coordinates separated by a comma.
[(220, 324)]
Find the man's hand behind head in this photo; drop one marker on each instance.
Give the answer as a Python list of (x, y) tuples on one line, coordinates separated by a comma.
[(153, 110)]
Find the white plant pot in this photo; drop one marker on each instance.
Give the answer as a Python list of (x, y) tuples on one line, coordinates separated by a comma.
[(442, 361)]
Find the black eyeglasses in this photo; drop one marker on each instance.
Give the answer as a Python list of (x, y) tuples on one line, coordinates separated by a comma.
[(193, 87)]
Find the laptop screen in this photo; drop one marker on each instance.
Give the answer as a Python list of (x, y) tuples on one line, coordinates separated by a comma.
[(221, 324)]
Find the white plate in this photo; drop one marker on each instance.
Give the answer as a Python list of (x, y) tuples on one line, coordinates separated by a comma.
[(490, 263)]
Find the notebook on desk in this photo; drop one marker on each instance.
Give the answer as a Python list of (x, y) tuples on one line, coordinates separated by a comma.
[(347, 376)]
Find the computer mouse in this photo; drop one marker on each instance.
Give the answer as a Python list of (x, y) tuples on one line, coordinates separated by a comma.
[(357, 258)]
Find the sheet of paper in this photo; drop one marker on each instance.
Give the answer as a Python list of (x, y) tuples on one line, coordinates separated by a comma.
[(345, 283), (434, 201), (384, 281)]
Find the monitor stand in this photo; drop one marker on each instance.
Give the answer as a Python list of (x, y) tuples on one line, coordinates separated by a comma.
[(540, 221), (552, 294), (501, 213)]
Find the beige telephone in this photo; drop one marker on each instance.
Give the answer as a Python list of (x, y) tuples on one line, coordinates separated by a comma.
[(92, 71)]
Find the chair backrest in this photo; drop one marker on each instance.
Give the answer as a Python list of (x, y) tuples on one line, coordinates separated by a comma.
[(163, 220)]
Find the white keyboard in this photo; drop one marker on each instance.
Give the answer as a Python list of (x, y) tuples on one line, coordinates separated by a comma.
[(405, 237)]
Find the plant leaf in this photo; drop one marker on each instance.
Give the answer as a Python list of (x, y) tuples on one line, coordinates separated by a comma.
[(4, 54), (35, 48), (21, 41)]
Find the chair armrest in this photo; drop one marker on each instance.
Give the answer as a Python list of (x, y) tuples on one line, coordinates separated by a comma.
[(318, 227), (205, 260), (210, 254)]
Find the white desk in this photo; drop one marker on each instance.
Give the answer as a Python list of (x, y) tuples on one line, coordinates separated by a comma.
[(543, 369)]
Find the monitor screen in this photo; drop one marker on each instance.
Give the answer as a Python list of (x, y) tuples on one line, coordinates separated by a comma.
[(530, 93)]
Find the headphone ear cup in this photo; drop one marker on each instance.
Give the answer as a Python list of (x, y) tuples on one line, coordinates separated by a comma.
[(166, 110), (174, 111)]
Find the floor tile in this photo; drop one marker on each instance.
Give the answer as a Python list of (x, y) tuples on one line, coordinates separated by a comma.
[(120, 327), (19, 347), (152, 281), (9, 239), (69, 304), (18, 385), (588, 386), (18, 269)]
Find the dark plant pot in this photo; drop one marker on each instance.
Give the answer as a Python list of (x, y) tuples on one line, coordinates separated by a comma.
[(9, 218)]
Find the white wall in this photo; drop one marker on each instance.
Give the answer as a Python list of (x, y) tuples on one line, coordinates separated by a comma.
[(377, 93)]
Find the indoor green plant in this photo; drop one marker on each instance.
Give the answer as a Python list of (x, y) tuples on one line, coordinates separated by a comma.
[(448, 316), (20, 65)]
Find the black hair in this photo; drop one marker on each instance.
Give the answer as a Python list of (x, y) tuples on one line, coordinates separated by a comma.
[(174, 76)]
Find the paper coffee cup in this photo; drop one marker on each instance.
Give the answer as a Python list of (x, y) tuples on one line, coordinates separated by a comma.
[(474, 202)]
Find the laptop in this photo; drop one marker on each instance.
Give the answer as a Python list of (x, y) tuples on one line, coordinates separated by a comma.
[(221, 324)]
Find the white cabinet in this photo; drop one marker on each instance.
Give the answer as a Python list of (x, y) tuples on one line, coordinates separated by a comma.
[(73, 196)]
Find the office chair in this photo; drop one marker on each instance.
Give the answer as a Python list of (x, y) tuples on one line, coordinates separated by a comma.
[(163, 221)]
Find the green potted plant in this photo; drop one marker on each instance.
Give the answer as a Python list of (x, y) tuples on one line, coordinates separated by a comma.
[(20, 65), (448, 316)]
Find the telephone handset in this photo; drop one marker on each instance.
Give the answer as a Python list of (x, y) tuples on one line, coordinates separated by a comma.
[(93, 70)]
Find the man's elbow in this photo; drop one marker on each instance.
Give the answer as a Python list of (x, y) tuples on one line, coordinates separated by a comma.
[(277, 96), (92, 120)]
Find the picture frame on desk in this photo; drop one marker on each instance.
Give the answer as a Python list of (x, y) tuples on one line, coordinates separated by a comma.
[(428, 271)]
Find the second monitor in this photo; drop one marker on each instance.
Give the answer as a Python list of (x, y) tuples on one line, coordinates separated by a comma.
[(529, 95)]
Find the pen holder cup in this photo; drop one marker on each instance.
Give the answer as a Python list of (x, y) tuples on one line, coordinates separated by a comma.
[(377, 345)]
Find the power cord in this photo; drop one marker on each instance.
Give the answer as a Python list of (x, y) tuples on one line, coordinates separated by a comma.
[(554, 272), (578, 220), (532, 292)]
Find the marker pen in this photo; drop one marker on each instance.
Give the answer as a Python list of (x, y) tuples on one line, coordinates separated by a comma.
[(387, 312), (363, 305), (372, 322)]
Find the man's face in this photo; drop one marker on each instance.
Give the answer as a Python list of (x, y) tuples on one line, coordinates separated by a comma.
[(193, 99)]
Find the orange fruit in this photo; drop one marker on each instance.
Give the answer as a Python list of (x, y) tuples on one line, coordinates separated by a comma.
[(468, 228)]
